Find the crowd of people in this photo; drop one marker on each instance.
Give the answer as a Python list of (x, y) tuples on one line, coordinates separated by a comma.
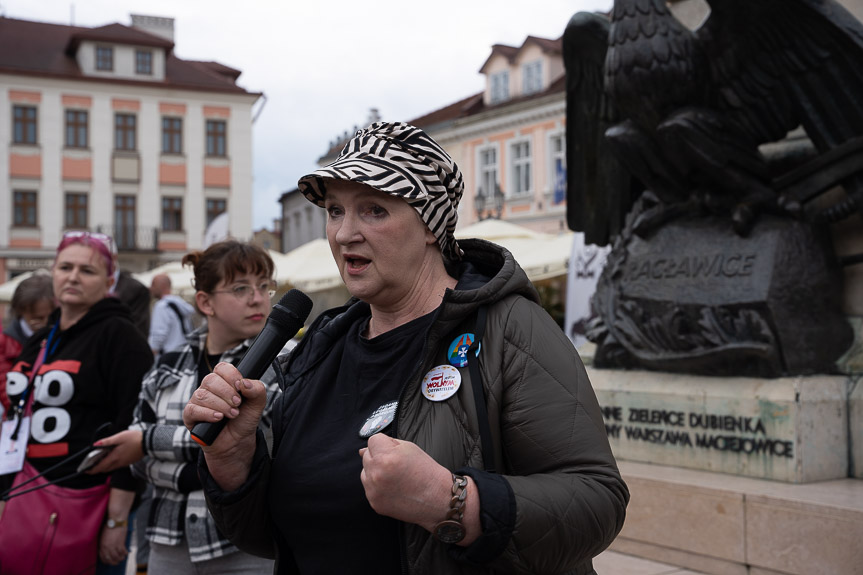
[(438, 422)]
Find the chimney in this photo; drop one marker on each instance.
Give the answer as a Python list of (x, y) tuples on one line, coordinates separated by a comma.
[(156, 25)]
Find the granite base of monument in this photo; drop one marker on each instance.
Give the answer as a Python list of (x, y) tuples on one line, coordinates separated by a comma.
[(793, 429), (738, 476), (855, 431)]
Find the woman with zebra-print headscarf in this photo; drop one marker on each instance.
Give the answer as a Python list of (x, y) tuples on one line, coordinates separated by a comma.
[(439, 422)]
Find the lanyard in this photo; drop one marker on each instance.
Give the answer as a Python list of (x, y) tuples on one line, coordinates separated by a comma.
[(52, 348), (40, 359)]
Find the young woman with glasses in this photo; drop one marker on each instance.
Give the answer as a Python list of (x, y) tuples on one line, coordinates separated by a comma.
[(234, 284), (86, 385)]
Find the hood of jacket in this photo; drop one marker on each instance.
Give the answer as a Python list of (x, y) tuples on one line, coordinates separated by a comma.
[(487, 274), (107, 308)]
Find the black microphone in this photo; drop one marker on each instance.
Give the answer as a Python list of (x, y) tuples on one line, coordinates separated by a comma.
[(284, 322)]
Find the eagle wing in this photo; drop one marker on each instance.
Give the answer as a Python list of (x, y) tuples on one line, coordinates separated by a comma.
[(777, 64), (599, 189)]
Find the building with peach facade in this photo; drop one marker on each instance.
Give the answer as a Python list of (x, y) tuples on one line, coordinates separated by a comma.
[(105, 129), (510, 139)]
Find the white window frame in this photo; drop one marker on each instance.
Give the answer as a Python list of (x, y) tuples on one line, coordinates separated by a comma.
[(499, 87), (483, 171), (517, 178), (531, 77), (553, 156)]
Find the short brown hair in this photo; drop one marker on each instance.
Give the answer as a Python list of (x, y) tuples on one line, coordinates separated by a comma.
[(225, 261), (37, 287)]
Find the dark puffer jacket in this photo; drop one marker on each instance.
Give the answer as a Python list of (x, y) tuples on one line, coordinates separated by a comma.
[(566, 498)]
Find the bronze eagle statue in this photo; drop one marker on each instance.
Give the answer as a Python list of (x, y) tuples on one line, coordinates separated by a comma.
[(682, 118)]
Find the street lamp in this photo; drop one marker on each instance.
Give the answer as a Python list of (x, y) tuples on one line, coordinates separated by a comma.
[(495, 207)]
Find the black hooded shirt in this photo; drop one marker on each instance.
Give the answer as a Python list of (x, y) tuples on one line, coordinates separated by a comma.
[(85, 390)]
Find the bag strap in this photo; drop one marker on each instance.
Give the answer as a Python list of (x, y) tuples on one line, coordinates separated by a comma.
[(180, 316), (26, 401), (8, 494), (479, 391)]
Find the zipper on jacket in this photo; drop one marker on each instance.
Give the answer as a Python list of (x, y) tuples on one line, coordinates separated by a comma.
[(403, 560), (418, 369)]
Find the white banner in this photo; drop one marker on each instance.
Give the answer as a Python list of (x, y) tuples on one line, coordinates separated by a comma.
[(585, 266)]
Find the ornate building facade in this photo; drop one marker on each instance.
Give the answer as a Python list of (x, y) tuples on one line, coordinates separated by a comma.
[(105, 129)]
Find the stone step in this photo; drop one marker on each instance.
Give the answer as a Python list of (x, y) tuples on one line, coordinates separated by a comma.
[(613, 563), (724, 524)]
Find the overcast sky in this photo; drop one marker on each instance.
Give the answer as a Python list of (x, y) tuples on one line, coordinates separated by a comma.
[(323, 64)]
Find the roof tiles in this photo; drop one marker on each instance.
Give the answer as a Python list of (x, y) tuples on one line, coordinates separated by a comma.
[(43, 49)]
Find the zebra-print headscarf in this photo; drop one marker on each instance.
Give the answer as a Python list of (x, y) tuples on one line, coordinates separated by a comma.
[(400, 160)]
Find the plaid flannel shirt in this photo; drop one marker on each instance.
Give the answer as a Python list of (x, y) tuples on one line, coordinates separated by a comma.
[(169, 448)]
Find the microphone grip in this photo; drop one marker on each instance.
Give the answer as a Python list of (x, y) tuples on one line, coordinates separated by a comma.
[(205, 433), (254, 364)]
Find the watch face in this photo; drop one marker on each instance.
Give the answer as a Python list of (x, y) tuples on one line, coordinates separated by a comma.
[(449, 531), (111, 524)]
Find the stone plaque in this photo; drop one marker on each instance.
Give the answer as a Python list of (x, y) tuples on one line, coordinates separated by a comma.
[(790, 429)]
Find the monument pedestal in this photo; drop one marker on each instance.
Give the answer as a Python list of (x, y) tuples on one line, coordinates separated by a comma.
[(793, 429), (738, 476), (729, 525)]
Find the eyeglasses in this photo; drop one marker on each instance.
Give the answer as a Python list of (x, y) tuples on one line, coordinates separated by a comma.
[(104, 239), (247, 292)]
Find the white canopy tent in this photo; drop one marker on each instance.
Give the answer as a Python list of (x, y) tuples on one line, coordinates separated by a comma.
[(542, 256), (7, 290), (309, 268), (493, 230), (181, 278)]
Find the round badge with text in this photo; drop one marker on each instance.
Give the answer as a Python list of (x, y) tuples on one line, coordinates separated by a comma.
[(441, 382), (379, 419)]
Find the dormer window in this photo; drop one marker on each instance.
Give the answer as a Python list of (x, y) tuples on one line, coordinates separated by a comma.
[(144, 62), (531, 77), (104, 58), (499, 86)]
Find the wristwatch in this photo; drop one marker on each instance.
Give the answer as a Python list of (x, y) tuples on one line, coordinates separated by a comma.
[(112, 523), (451, 529)]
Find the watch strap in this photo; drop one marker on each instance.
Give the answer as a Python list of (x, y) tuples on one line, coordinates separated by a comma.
[(451, 529)]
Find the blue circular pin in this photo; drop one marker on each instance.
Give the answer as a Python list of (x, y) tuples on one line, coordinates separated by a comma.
[(457, 352)]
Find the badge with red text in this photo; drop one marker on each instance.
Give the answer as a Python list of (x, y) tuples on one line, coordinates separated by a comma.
[(441, 382), (457, 352), (379, 419)]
